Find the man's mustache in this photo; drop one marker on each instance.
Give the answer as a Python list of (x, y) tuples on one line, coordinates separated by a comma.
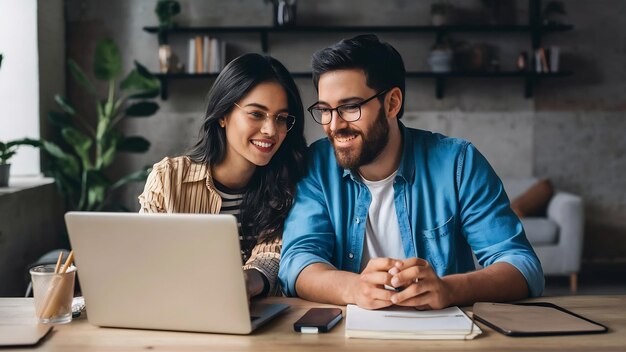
[(343, 132)]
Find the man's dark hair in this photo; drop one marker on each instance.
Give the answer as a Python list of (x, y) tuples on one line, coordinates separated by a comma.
[(381, 62)]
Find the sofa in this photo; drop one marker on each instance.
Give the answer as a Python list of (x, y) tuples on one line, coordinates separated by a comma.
[(556, 234)]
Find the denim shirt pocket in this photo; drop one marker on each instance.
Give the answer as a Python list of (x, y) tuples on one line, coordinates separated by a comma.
[(439, 245)]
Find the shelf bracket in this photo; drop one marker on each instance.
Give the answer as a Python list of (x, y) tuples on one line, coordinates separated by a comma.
[(163, 87), (534, 20), (440, 83), (529, 83), (264, 42)]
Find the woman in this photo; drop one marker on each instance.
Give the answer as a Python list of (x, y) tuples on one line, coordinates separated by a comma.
[(249, 156)]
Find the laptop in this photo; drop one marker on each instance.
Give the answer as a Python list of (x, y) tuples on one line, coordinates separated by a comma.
[(164, 271)]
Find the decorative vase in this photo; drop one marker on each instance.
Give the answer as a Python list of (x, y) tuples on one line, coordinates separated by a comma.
[(439, 19), (4, 174), (165, 58), (440, 60), (284, 12)]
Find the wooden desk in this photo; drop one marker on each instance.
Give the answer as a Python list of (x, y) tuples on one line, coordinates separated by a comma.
[(278, 335)]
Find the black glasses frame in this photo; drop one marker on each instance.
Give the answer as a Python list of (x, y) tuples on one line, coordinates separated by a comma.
[(338, 109)]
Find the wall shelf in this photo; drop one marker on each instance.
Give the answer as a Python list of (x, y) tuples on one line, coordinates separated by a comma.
[(535, 29), (264, 31), (530, 78)]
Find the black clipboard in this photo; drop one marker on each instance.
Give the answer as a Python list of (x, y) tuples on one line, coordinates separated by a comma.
[(534, 319)]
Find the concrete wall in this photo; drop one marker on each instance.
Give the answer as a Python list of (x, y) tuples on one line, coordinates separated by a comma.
[(31, 211), (570, 131), (31, 216)]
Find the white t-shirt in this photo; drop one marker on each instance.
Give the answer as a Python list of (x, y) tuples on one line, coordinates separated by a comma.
[(382, 232)]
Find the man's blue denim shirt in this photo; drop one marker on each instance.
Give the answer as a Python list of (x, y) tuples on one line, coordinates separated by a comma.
[(448, 199)]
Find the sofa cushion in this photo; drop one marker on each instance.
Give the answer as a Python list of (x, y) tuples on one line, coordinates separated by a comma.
[(534, 200), (541, 231)]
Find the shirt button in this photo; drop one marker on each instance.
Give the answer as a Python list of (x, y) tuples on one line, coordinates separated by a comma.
[(357, 220), (350, 255)]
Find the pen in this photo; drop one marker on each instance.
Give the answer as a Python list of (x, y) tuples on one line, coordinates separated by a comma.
[(423, 317)]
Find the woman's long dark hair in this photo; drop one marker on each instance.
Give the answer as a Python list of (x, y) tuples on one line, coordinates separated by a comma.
[(269, 194)]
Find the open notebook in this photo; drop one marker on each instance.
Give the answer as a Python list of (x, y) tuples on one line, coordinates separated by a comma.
[(407, 323)]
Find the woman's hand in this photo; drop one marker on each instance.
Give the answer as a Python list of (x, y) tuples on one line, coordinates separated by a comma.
[(254, 282)]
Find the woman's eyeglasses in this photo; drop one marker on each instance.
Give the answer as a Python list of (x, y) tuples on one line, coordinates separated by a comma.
[(284, 121)]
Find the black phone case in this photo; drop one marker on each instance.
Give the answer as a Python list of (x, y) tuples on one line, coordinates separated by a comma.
[(323, 319)]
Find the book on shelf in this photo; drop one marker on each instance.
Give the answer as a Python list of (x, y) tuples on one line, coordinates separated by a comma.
[(191, 56), (217, 55), (547, 60), (199, 52), (206, 47), (554, 56), (408, 323), (206, 55)]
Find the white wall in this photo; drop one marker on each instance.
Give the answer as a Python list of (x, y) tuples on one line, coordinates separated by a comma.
[(19, 80)]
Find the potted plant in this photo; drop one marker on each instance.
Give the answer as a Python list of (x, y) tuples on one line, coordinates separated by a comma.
[(165, 11), (440, 13), (7, 150), (554, 12), (80, 169)]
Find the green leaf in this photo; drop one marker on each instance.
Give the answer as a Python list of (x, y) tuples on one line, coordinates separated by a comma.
[(108, 156), (64, 104), (107, 63), (97, 186), (140, 84), (137, 176), (103, 126), (24, 141), (76, 139), (80, 142), (66, 163), (142, 109), (59, 119), (135, 82), (80, 76), (5, 156), (165, 10), (143, 70), (134, 144)]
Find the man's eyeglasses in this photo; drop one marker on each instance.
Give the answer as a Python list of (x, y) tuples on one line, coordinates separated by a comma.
[(348, 112), (284, 121)]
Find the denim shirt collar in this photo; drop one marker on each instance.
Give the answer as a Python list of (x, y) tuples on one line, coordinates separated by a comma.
[(406, 170)]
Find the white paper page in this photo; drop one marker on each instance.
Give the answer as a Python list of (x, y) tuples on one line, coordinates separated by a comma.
[(400, 319)]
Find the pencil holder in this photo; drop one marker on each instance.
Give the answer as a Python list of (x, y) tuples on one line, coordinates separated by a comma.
[(53, 294)]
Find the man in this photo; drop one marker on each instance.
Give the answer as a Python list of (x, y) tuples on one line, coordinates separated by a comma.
[(389, 215)]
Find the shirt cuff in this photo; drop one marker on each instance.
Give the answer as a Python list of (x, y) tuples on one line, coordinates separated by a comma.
[(530, 269), (291, 269), (268, 267)]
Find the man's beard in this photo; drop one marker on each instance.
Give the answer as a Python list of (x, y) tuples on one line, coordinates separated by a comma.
[(372, 144)]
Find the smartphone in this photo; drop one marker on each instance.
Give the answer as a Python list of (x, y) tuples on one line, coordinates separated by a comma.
[(317, 320)]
